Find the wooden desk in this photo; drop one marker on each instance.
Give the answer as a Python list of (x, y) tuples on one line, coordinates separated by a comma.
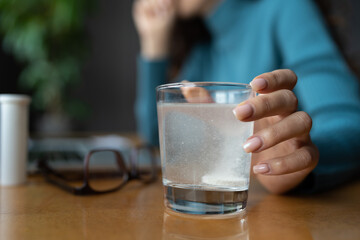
[(39, 210)]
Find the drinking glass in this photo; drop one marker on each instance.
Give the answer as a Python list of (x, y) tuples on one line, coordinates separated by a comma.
[(204, 167)]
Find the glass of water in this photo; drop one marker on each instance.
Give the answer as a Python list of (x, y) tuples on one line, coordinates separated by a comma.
[(204, 167)]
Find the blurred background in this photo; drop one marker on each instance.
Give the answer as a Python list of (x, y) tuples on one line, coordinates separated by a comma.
[(77, 59)]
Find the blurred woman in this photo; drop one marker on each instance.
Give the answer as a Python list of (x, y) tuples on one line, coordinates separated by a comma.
[(245, 41)]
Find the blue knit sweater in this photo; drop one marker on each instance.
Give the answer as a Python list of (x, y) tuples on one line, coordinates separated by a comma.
[(250, 37)]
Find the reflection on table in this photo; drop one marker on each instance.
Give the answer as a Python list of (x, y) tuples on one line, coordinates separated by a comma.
[(181, 226)]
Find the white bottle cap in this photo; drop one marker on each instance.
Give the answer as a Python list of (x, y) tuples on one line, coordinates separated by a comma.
[(14, 98)]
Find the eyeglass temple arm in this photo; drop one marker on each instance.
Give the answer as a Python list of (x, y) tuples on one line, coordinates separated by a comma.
[(49, 175)]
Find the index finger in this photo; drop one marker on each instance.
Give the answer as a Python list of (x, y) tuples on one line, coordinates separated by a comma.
[(273, 81)]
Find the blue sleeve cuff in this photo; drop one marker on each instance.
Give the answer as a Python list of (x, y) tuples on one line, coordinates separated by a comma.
[(339, 160), (326, 179)]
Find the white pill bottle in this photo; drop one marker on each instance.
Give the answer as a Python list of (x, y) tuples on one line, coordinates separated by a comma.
[(13, 138)]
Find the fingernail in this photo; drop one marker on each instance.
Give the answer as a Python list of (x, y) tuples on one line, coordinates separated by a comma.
[(261, 168), (258, 84), (243, 111), (252, 144)]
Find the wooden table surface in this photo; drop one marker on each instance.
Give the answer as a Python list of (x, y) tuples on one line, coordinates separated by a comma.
[(39, 210)]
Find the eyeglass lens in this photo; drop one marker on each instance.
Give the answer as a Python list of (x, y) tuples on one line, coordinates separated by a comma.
[(104, 171)]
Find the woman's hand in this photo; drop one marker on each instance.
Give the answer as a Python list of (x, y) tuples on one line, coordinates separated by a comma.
[(283, 154), (154, 20)]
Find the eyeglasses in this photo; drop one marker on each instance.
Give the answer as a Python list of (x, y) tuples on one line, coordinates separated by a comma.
[(104, 171)]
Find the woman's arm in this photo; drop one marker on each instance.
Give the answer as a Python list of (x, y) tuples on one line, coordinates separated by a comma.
[(153, 20), (326, 90), (150, 74)]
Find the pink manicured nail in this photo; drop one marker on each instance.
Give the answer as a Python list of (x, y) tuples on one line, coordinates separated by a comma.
[(252, 144), (258, 84), (243, 111), (261, 168)]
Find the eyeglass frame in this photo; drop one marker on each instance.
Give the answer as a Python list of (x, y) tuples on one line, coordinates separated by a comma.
[(86, 188)]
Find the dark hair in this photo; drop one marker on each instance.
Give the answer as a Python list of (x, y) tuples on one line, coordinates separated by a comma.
[(186, 34), (339, 15)]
